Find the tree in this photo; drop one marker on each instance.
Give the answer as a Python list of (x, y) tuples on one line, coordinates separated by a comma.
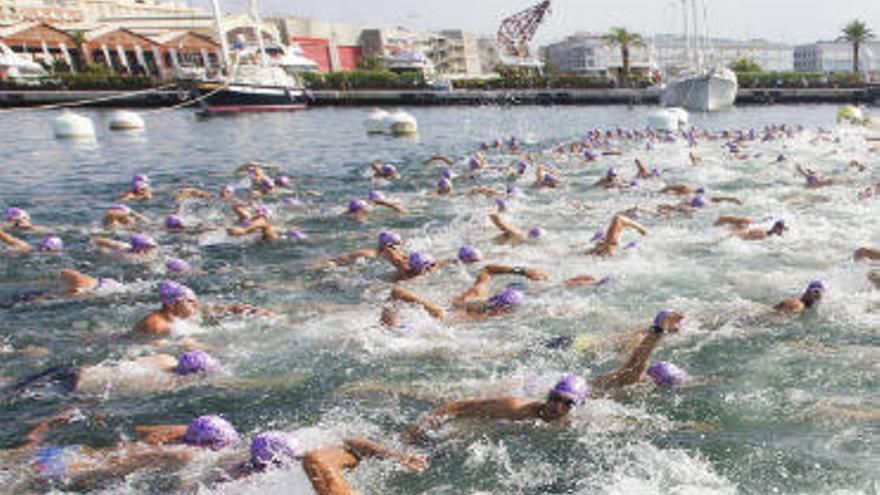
[(856, 32), (371, 62), (744, 65), (625, 40)]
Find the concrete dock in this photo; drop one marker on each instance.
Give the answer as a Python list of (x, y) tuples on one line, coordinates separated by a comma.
[(745, 96)]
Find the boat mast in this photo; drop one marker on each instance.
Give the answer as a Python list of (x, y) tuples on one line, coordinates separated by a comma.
[(687, 38), (255, 18), (224, 45), (697, 55)]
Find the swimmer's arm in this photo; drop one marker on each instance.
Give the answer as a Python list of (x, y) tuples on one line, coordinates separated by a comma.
[(324, 468), (866, 252), (242, 212), (504, 227), (351, 257), (361, 447), (479, 290), (36, 435), (14, 243), (632, 370), (269, 233), (390, 204), (160, 434), (439, 158), (377, 168), (258, 224), (486, 190), (192, 192), (153, 324), (401, 294), (726, 199), (628, 222), (107, 243), (529, 273), (733, 220), (236, 309), (643, 172), (496, 408)]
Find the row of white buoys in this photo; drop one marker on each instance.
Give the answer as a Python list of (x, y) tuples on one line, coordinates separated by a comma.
[(668, 119), (396, 123), (70, 125)]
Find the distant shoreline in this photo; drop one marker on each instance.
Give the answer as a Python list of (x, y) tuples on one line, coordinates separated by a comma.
[(626, 96)]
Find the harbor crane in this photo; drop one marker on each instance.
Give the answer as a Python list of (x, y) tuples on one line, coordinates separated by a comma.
[(517, 31)]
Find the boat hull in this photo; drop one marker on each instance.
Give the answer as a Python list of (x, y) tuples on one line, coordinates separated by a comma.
[(217, 98), (704, 93)]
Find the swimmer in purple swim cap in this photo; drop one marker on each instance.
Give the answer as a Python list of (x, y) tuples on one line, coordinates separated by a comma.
[(546, 176), (140, 189), (569, 392), (469, 254), (611, 240), (809, 299), (258, 222), (610, 180), (179, 302), (642, 172), (778, 228), (16, 219), (389, 247), (122, 215), (665, 374), (377, 198), (384, 171)]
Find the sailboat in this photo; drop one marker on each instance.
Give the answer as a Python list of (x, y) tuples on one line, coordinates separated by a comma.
[(702, 89), (251, 83)]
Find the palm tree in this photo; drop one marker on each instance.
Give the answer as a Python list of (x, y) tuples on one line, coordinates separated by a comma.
[(625, 39), (856, 32)]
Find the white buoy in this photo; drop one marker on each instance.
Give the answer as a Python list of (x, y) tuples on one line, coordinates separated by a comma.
[(681, 114), (663, 120), (69, 125), (122, 120), (377, 122), (402, 123)]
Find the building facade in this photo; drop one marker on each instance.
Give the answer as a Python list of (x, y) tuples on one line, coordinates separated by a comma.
[(830, 57), (671, 53), (589, 54)]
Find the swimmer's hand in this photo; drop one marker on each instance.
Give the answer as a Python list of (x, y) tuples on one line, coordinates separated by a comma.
[(414, 462)]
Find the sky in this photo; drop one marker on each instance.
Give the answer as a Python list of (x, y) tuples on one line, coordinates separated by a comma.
[(789, 21)]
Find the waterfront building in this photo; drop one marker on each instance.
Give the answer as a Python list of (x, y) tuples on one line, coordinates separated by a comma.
[(836, 56), (589, 54)]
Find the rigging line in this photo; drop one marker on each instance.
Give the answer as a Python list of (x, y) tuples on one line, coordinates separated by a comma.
[(188, 102), (71, 104)]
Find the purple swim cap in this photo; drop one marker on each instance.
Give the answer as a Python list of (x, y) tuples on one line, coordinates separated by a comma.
[(780, 224), (469, 254), (211, 432), (121, 208), (667, 374), (536, 233), (282, 181), (507, 299), (633, 183), (173, 222), (812, 179), (447, 173), (574, 386), (141, 242), (514, 191), (288, 201), (108, 283), (816, 285), (175, 265), (781, 158), (263, 211), (698, 202), (389, 169), (171, 293), (196, 361), (357, 206), (598, 236), (52, 244), (521, 167), (549, 179), (375, 195), (611, 172), (140, 178), (501, 204), (474, 164), (419, 262), (443, 185), (389, 238), (267, 183), (15, 214), (590, 155), (275, 447), (701, 190), (227, 190), (297, 235)]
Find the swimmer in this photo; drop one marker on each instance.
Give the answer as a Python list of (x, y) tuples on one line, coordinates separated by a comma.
[(388, 247), (546, 176), (642, 171), (140, 189), (179, 302), (384, 171), (16, 219), (735, 222), (678, 189), (49, 244), (747, 234), (508, 232), (358, 209), (139, 245), (474, 303), (122, 215), (610, 241), (610, 181), (163, 447), (870, 191), (813, 180), (258, 223), (571, 391), (488, 191), (144, 374), (417, 264), (809, 299), (186, 193), (325, 466), (694, 159), (439, 158)]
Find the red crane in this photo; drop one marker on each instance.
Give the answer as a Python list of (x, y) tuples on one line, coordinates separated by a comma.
[(517, 31)]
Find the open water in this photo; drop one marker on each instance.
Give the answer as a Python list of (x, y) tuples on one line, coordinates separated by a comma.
[(785, 405)]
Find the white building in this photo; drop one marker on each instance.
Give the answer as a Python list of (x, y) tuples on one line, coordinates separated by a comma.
[(589, 54), (670, 52), (829, 57)]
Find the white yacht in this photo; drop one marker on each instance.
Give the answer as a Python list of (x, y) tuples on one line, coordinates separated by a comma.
[(18, 67)]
